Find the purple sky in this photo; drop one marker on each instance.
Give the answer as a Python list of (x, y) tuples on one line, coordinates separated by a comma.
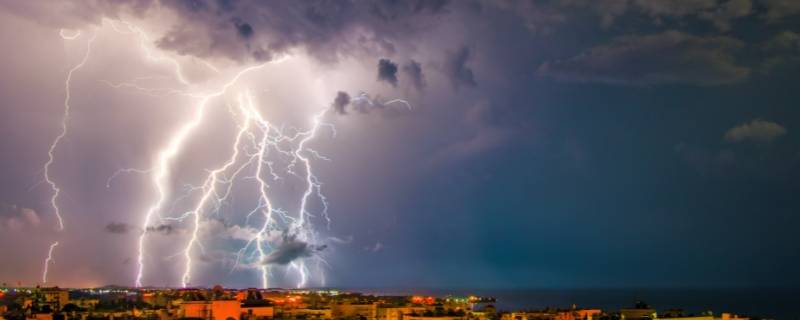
[(537, 144)]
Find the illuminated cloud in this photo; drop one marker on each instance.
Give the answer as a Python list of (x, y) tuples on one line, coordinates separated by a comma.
[(221, 229), (756, 130), (14, 217)]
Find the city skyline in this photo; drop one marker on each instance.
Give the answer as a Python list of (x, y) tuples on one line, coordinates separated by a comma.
[(386, 144)]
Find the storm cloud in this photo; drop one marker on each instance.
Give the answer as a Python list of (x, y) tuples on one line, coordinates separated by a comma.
[(545, 109), (241, 31), (290, 249)]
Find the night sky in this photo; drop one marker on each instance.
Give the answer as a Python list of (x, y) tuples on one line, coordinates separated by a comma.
[(557, 144)]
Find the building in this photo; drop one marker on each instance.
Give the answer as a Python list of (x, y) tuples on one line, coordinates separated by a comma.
[(357, 310), (579, 314), (571, 314), (724, 316), (86, 303), (195, 309), (225, 309), (432, 317), (640, 311), (397, 313), (305, 313), (257, 309), (728, 316), (56, 297)]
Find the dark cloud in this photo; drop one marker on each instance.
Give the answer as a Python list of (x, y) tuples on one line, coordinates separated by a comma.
[(340, 102), (290, 249), (664, 58), (118, 228), (243, 28), (414, 72), (387, 71), (124, 228), (456, 69), (327, 29), (163, 229)]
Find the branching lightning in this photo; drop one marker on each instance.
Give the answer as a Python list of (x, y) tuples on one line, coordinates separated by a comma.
[(261, 152)]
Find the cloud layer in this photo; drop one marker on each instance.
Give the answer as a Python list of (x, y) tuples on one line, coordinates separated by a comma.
[(671, 57)]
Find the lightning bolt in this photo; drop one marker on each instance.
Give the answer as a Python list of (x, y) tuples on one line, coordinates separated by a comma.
[(209, 187), (272, 153), (159, 179), (64, 130), (48, 261)]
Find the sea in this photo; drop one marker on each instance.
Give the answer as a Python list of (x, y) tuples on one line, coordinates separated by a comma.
[(761, 303)]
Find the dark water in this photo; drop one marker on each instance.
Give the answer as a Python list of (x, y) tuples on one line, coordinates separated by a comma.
[(772, 303)]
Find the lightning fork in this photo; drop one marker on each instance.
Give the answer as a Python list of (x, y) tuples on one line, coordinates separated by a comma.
[(64, 130), (209, 189), (166, 155)]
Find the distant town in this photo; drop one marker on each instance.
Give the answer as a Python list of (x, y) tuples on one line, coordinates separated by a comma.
[(54, 303)]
